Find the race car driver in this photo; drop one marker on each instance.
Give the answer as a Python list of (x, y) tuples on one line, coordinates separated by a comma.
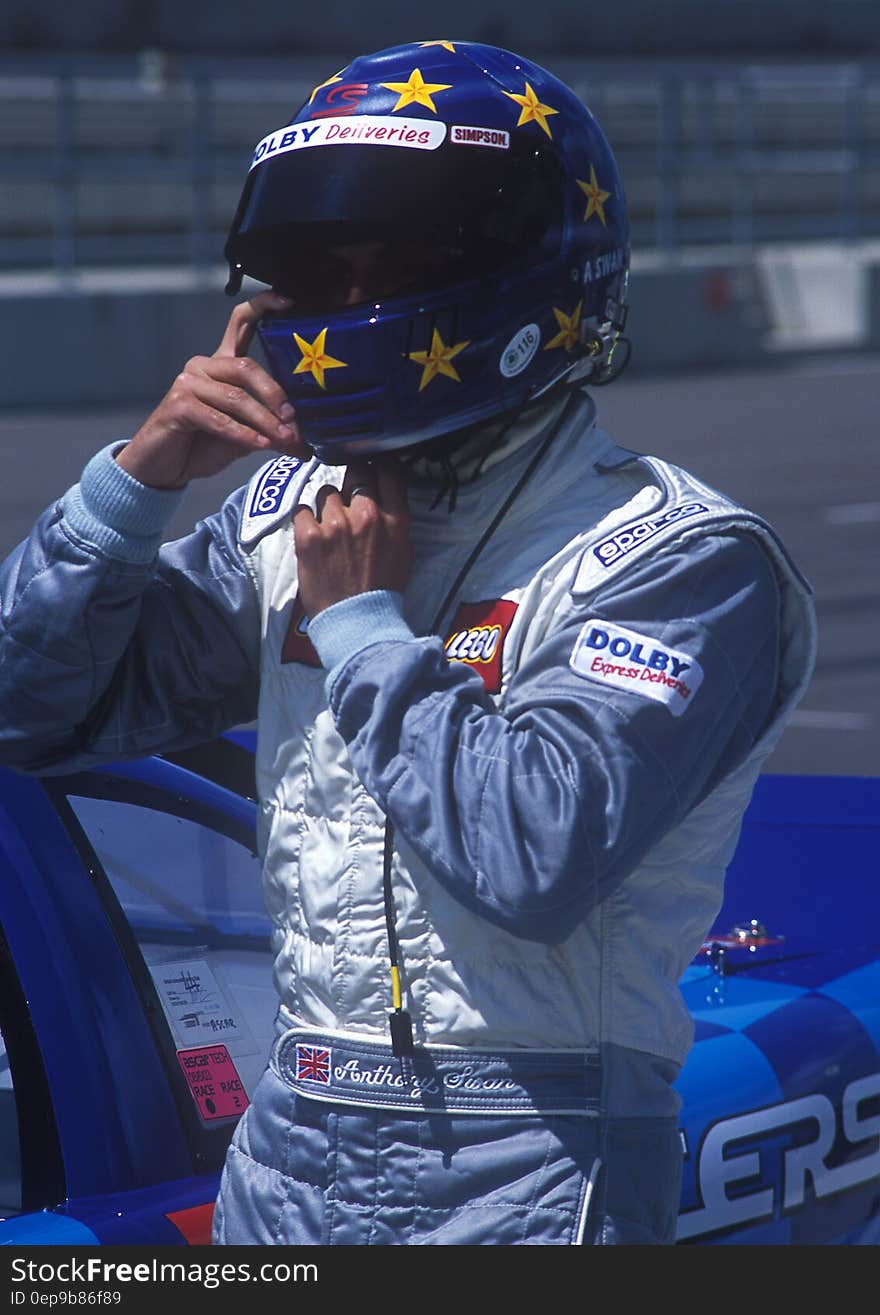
[(513, 684)]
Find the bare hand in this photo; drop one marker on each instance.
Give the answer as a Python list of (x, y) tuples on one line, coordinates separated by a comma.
[(358, 538), (219, 408)]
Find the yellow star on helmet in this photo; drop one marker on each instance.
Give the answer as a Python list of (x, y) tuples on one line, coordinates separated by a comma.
[(416, 91), (532, 111), (596, 197), (569, 328), (438, 360), (447, 45), (315, 359), (337, 77)]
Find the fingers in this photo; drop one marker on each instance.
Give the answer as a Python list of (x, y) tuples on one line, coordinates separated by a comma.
[(329, 509), (381, 479), (244, 372), (371, 491), (346, 511), (347, 549), (230, 364), (360, 480), (246, 396), (242, 390), (244, 320), (190, 413)]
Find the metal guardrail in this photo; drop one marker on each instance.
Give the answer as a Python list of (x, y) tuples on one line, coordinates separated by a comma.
[(104, 170)]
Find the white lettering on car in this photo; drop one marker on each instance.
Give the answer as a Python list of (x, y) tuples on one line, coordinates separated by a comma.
[(725, 1163)]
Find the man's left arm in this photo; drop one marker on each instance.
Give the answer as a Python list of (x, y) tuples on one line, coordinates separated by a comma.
[(531, 815)]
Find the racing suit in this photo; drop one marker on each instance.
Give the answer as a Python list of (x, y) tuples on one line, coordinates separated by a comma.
[(565, 774)]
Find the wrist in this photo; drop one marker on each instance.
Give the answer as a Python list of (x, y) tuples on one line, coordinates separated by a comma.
[(151, 469), (344, 628)]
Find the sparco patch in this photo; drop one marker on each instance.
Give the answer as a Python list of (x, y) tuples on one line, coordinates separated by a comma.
[(269, 489), (477, 638), (624, 659), (624, 541)]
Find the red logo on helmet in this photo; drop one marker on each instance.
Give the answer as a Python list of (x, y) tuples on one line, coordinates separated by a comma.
[(297, 646), (343, 98), (477, 638)]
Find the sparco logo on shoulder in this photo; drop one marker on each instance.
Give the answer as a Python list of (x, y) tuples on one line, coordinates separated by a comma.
[(618, 545), (269, 491)]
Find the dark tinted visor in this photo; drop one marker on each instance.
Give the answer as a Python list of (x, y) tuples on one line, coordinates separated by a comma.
[(455, 212)]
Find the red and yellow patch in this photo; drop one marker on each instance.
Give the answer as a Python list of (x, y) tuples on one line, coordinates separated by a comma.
[(477, 637), (297, 646)]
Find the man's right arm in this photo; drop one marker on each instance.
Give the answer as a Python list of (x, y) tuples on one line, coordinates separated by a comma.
[(113, 648), (109, 647)]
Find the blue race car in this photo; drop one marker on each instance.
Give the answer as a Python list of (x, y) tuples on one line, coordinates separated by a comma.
[(137, 1006)]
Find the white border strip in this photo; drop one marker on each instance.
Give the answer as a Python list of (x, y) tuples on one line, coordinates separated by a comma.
[(352, 130)]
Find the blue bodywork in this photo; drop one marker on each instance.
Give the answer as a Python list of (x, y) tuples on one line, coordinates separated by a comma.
[(780, 1120), (781, 1092)]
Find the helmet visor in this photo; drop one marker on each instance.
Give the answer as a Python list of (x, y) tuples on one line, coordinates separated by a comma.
[(449, 215)]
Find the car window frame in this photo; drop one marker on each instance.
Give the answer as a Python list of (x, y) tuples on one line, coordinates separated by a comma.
[(43, 1182), (207, 1145)]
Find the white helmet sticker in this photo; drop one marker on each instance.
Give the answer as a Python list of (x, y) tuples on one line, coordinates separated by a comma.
[(346, 130), (520, 350)]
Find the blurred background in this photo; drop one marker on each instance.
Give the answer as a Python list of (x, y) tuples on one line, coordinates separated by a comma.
[(748, 135)]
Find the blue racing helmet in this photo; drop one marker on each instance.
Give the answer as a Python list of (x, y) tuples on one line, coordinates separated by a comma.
[(489, 202)]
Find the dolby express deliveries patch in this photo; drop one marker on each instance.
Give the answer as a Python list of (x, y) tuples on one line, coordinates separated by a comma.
[(612, 655)]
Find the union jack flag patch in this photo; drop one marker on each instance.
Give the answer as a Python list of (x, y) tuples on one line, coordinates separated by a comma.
[(312, 1064)]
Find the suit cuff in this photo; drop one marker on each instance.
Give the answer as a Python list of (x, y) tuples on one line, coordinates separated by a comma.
[(113, 511), (341, 631)]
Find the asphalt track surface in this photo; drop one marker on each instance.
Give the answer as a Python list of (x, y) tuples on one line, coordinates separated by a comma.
[(796, 442)]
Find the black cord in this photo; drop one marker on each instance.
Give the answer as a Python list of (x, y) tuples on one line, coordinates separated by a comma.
[(399, 1020)]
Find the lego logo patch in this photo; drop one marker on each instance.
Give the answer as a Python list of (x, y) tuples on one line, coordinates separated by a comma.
[(624, 659), (477, 638)]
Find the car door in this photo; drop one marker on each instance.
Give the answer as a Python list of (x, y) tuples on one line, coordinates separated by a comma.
[(137, 998)]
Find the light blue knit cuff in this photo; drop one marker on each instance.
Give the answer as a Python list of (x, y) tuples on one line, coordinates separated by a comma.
[(341, 631), (116, 512)]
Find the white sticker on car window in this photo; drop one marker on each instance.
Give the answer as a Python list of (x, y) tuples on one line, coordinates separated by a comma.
[(194, 1003)]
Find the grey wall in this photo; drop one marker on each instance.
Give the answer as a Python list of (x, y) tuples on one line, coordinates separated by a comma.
[(119, 338), (121, 343), (68, 348)]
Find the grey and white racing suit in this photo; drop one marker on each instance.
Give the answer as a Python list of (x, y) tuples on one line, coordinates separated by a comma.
[(565, 762)]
